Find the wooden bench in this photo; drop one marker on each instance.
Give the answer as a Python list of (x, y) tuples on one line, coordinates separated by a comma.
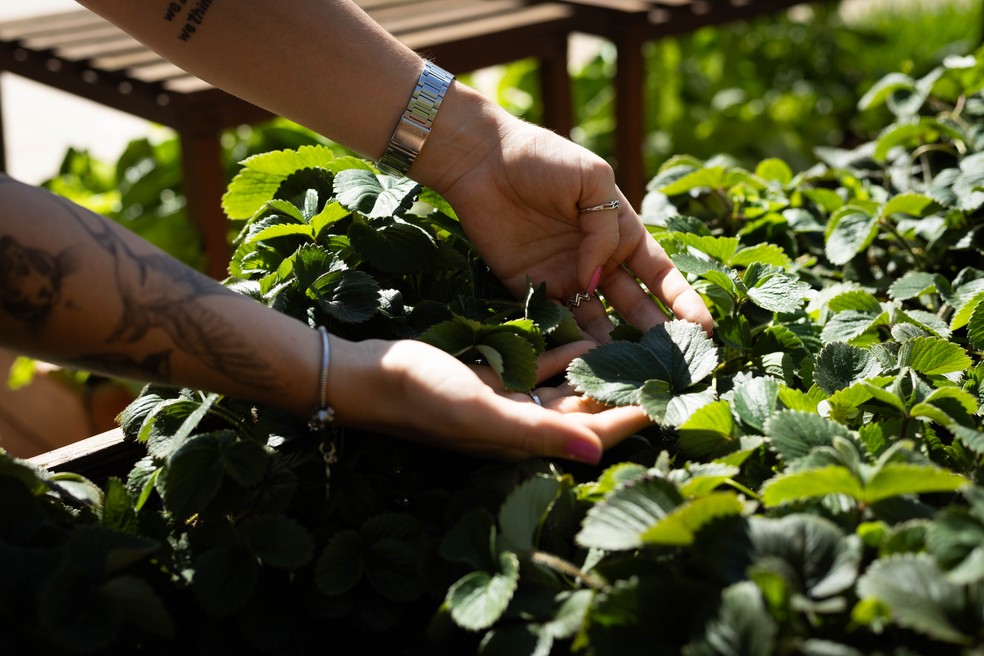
[(80, 53), (629, 24)]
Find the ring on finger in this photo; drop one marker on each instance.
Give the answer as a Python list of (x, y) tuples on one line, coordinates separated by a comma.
[(578, 298), (609, 205)]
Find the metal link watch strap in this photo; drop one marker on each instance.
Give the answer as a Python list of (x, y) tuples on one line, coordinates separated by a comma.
[(415, 124)]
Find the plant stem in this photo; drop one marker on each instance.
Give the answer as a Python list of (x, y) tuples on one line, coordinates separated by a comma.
[(562, 566)]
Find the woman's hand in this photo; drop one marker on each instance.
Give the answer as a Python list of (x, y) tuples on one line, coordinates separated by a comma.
[(517, 193), (413, 390)]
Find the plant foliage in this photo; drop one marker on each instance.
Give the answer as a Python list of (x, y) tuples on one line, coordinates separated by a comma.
[(811, 483)]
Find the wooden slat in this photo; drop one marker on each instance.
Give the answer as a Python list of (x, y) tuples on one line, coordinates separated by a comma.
[(537, 15), (70, 37), (96, 458), (440, 13), (125, 60), (124, 43), (25, 27)]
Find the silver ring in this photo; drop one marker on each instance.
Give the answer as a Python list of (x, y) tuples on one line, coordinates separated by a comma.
[(536, 399), (577, 299), (610, 205)]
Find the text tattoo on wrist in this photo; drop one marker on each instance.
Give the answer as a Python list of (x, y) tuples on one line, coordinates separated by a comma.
[(192, 18)]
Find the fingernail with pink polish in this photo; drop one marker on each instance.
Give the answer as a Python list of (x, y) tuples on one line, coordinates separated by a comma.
[(584, 451), (595, 279)]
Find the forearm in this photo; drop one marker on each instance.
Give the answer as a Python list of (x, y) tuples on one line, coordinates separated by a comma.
[(79, 290), (322, 63)]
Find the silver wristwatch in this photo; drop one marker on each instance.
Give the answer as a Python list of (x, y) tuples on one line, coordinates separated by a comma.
[(415, 124)]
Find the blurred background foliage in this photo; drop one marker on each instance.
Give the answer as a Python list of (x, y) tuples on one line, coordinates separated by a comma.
[(776, 87)]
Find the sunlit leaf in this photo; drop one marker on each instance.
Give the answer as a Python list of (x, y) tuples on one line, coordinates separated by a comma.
[(839, 365), (620, 521), (809, 484), (523, 511), (933, 356), (478, 599)]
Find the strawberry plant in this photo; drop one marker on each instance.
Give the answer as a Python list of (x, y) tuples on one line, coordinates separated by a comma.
[(811, 483)]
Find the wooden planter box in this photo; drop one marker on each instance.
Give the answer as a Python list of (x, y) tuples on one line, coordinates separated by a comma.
[(97, 458)]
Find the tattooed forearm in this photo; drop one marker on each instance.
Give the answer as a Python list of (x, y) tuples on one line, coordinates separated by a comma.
[(167, 312), (30, 280), (155, 367), (189, 14), (158, 292)]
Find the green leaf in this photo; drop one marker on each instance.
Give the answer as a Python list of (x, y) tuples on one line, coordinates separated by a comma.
[(969, 185), (374, 196), (281, 230), (193, 476), (813, 554), (850, 230), (708, 428), (956, 539), (912, 285), (512, 356), (341, 564), (393, 569), (807, 401), (849, 325), (793, 434), (919, 596), (524, 510), (742, 625), (684, 352), (965, 309), (896, 479), (469, 540), (619, 522), (277, 540), (839, 365), (680, 526), (347, 296), (610, 479), (775, 289), (909, 203), (664, 406), (932, 356), (884, 88), (711, 177), (810, 483), (718, 248), (477, 600), (975, 327), (224, 579), (455, 336), (764, 253), (245, 461), (754, 400), (397, 247), (613, 373), (261, 176), (855, 299), (775, 169), (571, 614)]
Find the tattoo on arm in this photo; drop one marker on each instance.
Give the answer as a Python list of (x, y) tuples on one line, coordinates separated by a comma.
[(157, 293), (190, 14), (30, 280)]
